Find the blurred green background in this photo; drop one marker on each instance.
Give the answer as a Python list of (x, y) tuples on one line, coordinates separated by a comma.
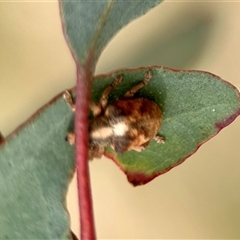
[(200, 199)]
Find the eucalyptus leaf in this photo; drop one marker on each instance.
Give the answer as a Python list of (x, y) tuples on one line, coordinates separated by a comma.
[(36, 165), (196, 106), (89, 25)]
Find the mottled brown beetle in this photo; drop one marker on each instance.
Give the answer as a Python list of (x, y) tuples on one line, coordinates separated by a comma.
[(126, 124)]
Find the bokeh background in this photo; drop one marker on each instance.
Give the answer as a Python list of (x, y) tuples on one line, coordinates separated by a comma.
[(199, 199)]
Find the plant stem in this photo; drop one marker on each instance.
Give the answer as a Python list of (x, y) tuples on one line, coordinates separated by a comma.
[(81, 151)]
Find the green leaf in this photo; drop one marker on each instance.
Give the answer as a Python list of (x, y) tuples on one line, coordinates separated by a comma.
[(36, 165), (196, 106), (89, 25)]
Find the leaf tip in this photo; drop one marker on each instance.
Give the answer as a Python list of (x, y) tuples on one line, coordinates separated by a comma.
[(138, 178), (2, 139), (73, 236), (226, 122)]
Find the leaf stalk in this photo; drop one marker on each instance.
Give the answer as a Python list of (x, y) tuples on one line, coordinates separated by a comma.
[(83, 91)]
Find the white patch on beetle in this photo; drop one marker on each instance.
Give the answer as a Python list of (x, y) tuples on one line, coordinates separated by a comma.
[(102, 133), (120, 129)]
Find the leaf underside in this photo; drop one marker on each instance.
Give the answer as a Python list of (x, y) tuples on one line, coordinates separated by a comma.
[(36, 167), (196, 106)]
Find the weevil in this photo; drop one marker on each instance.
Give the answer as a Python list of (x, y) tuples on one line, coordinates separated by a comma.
[(128, 123)]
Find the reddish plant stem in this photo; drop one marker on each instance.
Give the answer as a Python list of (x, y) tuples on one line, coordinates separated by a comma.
[(81, 151)]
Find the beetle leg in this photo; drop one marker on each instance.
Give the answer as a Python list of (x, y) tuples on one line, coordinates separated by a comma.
[(159, 139), (97, 108), (67, 95), (70, 138), (131, 92), (104, 98), (138, 148)]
